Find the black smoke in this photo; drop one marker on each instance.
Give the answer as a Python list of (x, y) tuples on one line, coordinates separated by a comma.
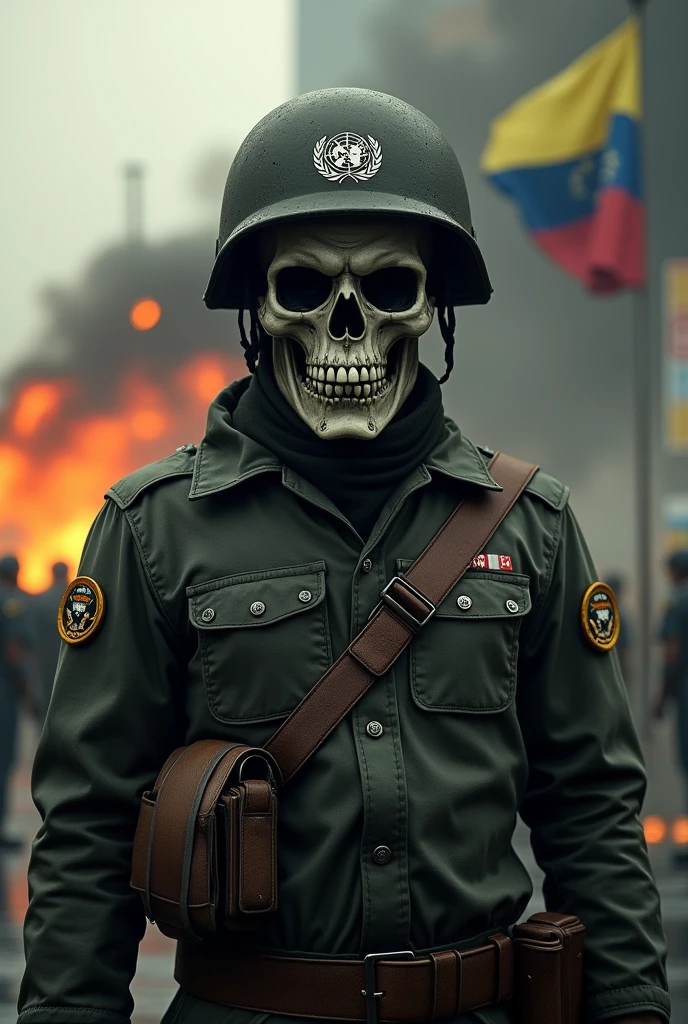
[(86, 332)]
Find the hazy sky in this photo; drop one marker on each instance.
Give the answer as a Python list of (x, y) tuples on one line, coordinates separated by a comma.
[(87, 85)]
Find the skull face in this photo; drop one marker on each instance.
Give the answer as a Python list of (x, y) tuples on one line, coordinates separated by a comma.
[(346, 304)]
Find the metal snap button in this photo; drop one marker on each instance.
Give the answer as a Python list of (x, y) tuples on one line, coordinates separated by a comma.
[(366, 565), (374, 729), (305, 596), (511, 606), (257, 608), (464, 602), (382, 855), (208, 615)]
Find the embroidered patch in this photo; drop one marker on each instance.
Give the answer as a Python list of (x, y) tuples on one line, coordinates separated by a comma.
[(503, 562), (81, 610), (600, 617)]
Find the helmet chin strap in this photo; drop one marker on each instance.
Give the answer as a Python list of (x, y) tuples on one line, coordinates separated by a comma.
[(446, 318), (251, 346)]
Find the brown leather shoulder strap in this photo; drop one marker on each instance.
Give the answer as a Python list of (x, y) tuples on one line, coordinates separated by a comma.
[(408, 602)]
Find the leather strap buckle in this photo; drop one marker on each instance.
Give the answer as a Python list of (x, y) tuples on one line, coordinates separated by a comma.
[(370, 963), (406, 603)]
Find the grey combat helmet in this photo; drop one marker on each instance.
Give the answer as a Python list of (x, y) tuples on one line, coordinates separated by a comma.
[(347, 151)]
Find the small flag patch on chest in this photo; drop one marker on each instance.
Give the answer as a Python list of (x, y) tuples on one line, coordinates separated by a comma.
[(503, 562)]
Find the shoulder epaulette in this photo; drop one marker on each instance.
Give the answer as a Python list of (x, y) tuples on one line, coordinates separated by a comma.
[(543, 486), (126, 490), (549, 490)]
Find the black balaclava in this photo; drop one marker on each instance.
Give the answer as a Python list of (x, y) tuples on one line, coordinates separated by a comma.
[(358, 476)]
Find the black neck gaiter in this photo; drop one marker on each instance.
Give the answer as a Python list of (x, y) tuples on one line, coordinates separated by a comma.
[(358, 476)]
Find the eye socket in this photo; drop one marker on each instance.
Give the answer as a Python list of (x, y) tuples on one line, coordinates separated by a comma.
[(391, 289), (301, 289)]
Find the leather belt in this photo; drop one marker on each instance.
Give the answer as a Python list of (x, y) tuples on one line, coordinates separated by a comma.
[(384, 987)]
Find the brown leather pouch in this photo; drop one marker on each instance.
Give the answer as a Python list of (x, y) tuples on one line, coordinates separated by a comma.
[(247, 829), (548, 957), (205, 850)]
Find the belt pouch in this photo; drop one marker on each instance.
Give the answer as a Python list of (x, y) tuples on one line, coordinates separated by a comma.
[(247, 822), (205, 857), (548, 953)]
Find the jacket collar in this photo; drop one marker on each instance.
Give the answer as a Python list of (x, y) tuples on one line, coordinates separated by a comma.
[(226, 457), (459, 458)]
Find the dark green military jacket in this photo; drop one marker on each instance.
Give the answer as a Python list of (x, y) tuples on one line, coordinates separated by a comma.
[(499, 707)]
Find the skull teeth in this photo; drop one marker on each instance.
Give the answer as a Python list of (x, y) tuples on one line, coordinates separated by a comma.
[(335, 385), (346, 374)]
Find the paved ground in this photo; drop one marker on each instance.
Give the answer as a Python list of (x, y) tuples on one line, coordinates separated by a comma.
[(153, 987)]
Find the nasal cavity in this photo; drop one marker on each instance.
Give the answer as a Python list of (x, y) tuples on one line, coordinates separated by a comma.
[(346, 319)]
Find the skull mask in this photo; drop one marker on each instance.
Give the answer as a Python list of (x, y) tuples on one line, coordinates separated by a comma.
[(346, 303)]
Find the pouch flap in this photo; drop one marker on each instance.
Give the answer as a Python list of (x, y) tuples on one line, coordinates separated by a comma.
[(256, 598), (481, 594)]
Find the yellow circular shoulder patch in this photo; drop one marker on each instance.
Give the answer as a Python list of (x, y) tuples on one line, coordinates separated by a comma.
[(81, 610), (600, 617)]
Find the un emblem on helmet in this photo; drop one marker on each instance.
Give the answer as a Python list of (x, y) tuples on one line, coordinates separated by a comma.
[(347, 155)]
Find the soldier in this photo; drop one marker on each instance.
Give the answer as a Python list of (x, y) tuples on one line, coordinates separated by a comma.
[(14, 652), (674, 636), (45, 607), (217, 585)]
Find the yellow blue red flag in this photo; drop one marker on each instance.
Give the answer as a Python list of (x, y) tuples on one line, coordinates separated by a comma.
[(568, 153)]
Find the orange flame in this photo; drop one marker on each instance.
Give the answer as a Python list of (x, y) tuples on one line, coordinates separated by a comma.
[(145, 314), (655, 829), (679, 831), (57, 457), (35, 406)]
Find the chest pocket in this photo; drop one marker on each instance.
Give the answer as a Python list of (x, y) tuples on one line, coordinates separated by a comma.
[(263, 640), (464, 660)]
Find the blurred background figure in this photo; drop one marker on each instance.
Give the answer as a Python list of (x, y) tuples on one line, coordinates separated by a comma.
[(674, 637), (625, 642), (15, 649), (45, 607)]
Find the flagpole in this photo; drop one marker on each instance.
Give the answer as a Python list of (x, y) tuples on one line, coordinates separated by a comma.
[(643, 391)]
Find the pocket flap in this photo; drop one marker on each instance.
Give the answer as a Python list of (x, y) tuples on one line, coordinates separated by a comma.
[(491, 595), (256, 598), (481, 594)]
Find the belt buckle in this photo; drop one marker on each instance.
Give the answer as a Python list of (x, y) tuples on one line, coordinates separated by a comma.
[(398, 609), (370, 967)]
